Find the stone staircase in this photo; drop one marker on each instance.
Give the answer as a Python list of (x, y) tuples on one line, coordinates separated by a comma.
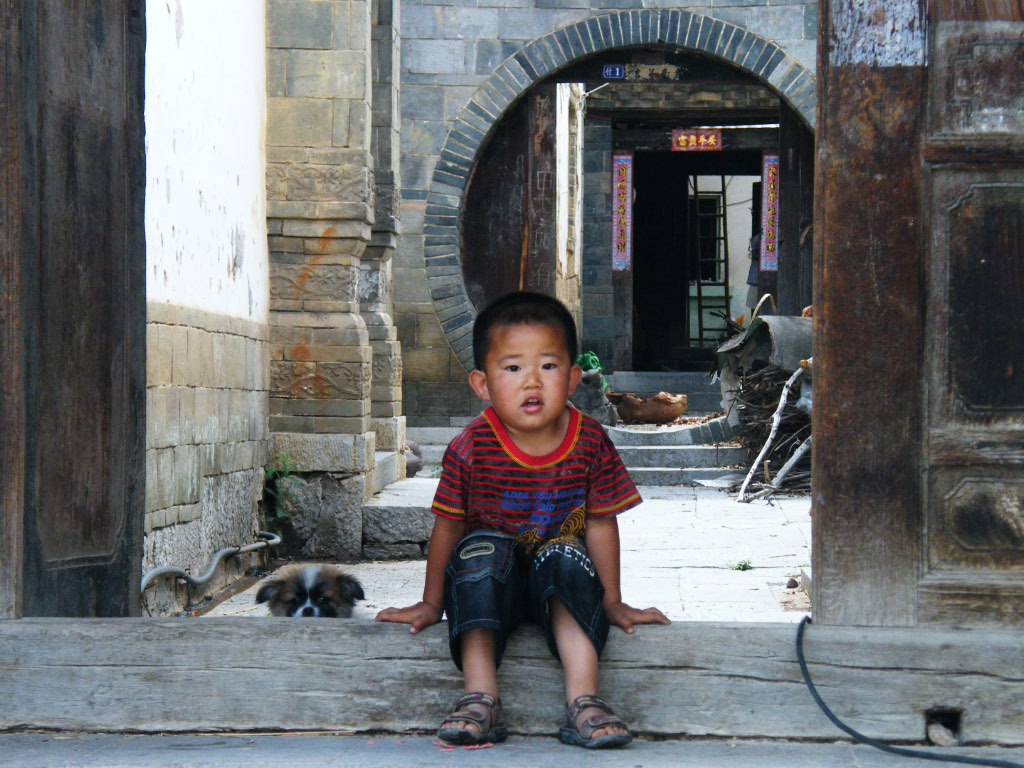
[(397, 524), (654, 455)]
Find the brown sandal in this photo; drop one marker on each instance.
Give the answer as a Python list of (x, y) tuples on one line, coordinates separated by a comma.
[(489, 722), (582, 735)]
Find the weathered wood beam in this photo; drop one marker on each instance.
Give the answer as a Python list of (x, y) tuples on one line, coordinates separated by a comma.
[(868, 315), (694, 679), (12, 414)]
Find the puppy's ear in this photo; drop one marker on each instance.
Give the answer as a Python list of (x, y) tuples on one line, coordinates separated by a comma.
[(350, 589), (269, 590)]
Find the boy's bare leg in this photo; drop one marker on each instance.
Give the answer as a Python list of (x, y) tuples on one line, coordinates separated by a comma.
[(479, 671), (579, 660)]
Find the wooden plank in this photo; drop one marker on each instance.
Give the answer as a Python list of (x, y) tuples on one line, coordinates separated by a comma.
[(981, 598), (12, 419), (689, 678)]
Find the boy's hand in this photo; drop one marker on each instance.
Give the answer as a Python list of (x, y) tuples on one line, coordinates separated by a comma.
[(420, 616), (625, 616)]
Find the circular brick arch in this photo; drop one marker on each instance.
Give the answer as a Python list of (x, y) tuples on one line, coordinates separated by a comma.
[(538, 59)]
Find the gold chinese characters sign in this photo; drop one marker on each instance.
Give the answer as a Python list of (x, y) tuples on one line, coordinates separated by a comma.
[(696, 139)]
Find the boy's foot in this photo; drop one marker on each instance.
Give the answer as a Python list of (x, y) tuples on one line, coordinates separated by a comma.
[(476, 720), (587, 716)]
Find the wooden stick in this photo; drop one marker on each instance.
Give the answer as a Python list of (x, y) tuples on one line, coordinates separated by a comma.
[(771, 435), (773, 486)]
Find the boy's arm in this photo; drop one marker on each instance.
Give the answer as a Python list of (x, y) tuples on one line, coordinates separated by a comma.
[(602, 539), (445, 535)]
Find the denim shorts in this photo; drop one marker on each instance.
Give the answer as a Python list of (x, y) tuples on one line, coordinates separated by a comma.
[(492, 583)]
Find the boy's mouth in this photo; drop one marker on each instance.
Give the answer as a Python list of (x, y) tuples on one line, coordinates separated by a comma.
[(532, 404)]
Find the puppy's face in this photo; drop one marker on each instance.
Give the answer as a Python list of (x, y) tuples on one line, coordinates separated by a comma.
[(311, 591)]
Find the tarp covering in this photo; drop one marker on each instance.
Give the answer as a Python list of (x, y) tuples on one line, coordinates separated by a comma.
[(781, 340)]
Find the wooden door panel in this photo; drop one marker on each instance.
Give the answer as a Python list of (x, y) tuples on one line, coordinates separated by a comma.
[(84, 300), (973, 548)]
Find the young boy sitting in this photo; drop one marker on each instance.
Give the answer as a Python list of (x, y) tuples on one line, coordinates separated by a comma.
[(525, 526)]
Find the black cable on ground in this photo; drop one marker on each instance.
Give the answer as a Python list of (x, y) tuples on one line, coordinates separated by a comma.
[(904, 751)]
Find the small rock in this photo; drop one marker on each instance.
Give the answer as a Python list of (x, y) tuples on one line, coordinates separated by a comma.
[(792, 583), (942, 736)]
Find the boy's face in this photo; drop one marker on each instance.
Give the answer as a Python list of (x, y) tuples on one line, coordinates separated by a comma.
[(527, 376)]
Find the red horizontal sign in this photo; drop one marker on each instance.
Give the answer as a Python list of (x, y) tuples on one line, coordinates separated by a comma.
[(696, 139)]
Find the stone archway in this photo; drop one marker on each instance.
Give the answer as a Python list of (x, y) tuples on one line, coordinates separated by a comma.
[(693, 31)]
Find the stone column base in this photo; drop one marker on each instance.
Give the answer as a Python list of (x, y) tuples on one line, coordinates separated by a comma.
[(333, 475)]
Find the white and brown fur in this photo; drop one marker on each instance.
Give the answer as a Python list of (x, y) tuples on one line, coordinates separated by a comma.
[(310, 591)]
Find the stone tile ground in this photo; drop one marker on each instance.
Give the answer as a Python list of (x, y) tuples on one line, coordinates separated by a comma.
[(682, 551)]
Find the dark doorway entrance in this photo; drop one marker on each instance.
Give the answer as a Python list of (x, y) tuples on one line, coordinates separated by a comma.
[(681, 283)]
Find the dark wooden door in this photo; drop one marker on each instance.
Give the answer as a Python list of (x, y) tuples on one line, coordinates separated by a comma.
[(919, 363), (973, 568), (509, 223), (81, 297)]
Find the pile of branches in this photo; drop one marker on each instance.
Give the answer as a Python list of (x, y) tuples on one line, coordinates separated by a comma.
[(757, 400)]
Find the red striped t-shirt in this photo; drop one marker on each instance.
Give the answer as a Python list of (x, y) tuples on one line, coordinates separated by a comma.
[(488, 482)]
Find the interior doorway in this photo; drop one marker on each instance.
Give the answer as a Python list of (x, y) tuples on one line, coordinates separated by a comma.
[(692, 227)]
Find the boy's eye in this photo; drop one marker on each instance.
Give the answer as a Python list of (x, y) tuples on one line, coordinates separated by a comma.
[(511, 368), (549, 366)]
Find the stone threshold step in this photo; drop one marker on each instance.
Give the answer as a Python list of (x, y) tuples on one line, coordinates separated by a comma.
[(691, 456), (694, 678)]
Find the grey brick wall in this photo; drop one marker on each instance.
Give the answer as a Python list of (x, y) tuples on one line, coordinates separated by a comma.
[(463, 63)]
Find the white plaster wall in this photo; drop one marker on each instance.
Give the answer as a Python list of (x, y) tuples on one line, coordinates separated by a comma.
[(206, 232), (739, 201)]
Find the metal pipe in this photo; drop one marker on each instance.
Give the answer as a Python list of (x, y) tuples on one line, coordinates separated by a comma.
[(268, 540)]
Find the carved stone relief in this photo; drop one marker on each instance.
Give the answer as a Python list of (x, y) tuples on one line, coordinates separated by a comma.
[(319, 381), (327, 282), (319, 183)]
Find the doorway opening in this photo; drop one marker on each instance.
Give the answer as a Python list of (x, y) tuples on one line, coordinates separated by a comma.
[(693, 220)]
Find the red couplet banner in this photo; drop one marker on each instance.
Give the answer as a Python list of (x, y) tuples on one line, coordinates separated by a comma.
[(622, 211), (770, 213)]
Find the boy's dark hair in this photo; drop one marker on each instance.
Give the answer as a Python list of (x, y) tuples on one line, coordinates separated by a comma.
[(522, 307)]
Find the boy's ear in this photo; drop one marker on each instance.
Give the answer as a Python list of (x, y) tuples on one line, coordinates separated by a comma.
[(478, 382), (575, 374)]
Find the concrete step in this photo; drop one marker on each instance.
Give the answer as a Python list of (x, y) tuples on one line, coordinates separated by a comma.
[(432, 435), (652, 382), (385, 469), (717, 476), (397, 521), (654, 455), (711, 431), (691, 456)]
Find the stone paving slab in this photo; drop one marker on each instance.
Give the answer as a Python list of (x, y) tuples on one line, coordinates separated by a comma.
[(682, 550), (340, 751)]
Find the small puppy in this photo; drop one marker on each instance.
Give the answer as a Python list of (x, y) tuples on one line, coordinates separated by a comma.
[(311, 591)]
